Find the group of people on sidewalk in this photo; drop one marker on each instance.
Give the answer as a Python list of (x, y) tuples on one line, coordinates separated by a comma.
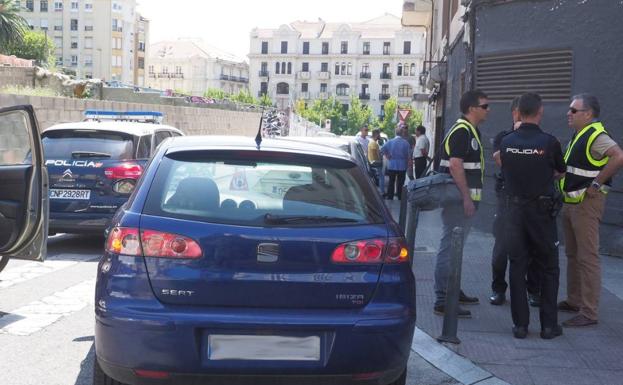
[(536, 179)]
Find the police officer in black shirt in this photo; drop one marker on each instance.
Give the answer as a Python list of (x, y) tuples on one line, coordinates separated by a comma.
[(499, 255), (531, 160)]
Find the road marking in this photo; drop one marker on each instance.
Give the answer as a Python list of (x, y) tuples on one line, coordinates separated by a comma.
[(26, 272), (37, 315)]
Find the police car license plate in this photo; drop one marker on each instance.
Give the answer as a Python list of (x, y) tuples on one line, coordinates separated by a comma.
[(273, 348), (70, 194)]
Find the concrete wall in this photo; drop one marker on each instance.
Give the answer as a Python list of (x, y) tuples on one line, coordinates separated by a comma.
[(191, 120), (17, 76)]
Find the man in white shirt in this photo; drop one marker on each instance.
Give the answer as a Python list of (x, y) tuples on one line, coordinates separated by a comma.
[(420, 152), (362, 138)]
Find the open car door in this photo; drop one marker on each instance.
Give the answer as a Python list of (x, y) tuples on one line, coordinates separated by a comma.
[(23, 186)]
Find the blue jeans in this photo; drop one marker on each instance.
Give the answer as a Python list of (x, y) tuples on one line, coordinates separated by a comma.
[(451, 217), (378, 169)]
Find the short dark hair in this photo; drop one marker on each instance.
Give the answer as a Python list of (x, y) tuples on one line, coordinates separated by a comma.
[(421, 129), (530, 104), (376, 131), (515, 104), (589, 101), (471, 99)]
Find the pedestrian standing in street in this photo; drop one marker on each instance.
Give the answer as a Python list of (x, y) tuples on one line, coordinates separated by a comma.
[(499, 256), (462, 157), (362, 138), (420, 152), (375, 158), (409, 138), (398, 152), (531, 160), (592, 159)]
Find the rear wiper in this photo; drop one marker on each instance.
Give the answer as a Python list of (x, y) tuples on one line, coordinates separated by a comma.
[(289, 219), (89, 154)]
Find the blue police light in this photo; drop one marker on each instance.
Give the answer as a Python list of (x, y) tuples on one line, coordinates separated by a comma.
[(125, 116)]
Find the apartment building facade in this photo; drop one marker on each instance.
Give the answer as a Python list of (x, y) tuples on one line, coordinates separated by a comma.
[(93, 38), (372, 60), (192, 66), (553, 49)]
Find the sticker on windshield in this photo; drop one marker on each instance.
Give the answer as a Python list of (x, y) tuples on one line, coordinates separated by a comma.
[(239, 181)]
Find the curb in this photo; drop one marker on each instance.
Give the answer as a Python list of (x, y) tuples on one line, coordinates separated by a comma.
[(451, 363)]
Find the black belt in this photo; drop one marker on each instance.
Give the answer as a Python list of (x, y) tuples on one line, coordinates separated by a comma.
[(521, 200)]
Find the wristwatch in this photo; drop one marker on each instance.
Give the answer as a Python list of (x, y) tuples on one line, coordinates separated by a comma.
[(596, 185)]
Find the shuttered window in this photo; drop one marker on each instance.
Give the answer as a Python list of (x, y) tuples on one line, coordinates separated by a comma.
[(548, 73)]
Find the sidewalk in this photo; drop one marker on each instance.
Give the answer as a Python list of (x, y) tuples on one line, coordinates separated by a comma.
[(592, 355)]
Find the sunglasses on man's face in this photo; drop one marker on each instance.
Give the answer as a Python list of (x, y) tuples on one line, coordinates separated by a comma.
[(575, 110), (484, 106)]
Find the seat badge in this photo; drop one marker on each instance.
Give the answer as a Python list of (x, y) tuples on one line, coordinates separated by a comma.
[(267, 252)]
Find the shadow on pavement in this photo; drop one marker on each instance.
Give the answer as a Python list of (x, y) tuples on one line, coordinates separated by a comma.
[(85, 377)]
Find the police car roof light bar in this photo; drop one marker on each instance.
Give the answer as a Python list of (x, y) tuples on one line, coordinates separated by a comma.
[(127, 116)]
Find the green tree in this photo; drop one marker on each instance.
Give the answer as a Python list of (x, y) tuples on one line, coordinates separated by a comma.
[(12, 25), (265, 101), (244, 96), (322, 109), (358, 114), (388, 124), (35, 45), (215, 93)]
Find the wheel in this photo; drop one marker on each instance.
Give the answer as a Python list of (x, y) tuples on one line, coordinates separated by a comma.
[(3, 262), (100, 378), (402, 380)]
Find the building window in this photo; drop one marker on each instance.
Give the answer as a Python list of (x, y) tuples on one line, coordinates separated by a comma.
[(283, 67), (289, 68), (324, 67), (284, 47), (405, 90), (116, 25), (58, 27), (407, 48), (44, 24), (277, 68), (74, 24), (165, 70), (305, 67), (325, 48), (365, 68), (344, 47), (264, 88), (337, 68), (88, 28), (30, 5), (366, 48), (264, 47), (74, 43), (88, 7), (323, 87), (151, 69), (386, 47), (178, 70), (75, 6), (385, 89), (304, 87), (342, 89), (43, 6), (399, 71), (283, 88), (88, 60), (58, 6), (364, 89), (74, 60), (305, 48), (141, 46)]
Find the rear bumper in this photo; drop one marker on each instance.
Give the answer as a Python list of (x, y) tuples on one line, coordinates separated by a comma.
[(79, 223), (355, 348)]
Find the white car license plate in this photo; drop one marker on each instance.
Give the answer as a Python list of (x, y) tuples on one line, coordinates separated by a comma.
[(273, 348), (70, 194)]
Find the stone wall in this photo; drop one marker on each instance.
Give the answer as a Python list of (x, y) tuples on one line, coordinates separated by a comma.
[(17, 76), (191, 120)]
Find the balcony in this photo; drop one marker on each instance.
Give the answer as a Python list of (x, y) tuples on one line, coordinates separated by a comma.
[(232, 78), (363, 96), (386, 75), (117, 29), (152, 75), (263, 73), (304, 75), (176, 76), (324, 75), (365, 75), (383, 96), (163, 75)]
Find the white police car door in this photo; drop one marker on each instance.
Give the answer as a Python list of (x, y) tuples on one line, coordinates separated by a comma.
[(23, 186)]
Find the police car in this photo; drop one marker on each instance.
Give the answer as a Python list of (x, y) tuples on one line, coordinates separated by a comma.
[(94, 165)]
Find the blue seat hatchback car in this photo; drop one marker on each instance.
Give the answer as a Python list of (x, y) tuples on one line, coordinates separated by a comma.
[(237, 263)]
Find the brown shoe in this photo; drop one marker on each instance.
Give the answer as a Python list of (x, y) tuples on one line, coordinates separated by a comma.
[(567, 307), (579, 321)]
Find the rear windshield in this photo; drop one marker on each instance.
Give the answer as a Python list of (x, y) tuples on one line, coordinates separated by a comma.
[(263, 193), (68, 144)]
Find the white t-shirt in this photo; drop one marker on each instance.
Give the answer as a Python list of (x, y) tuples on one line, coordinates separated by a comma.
[(364, 143), (421, 143)]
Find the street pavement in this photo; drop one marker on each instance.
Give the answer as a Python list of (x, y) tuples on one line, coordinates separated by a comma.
[(583, 356), (47, 319)]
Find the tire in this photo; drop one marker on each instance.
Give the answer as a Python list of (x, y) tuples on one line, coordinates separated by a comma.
[(3, 262), (100, 378), (402, 380)]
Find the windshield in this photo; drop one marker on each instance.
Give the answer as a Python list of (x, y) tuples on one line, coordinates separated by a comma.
[(262, 193), (80, 144)]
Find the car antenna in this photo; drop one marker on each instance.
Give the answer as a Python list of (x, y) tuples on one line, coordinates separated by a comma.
[(258, 137)]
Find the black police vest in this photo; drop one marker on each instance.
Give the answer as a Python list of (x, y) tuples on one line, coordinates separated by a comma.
[(474, 163), (581, 167)]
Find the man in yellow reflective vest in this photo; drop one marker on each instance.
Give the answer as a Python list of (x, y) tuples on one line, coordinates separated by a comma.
[(462, 157), (592, 159)]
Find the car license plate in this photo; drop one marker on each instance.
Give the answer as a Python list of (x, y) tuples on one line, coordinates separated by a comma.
[(273, 348), (70, 194)]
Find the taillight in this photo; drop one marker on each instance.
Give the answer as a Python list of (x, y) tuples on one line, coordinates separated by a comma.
[(372, 251), (166, 245), (124, 171), (126, 241)]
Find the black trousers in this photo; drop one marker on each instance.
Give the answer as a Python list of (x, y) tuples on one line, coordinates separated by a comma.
[(420, 166), (499, 256), (396, 181), (531, 230)]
